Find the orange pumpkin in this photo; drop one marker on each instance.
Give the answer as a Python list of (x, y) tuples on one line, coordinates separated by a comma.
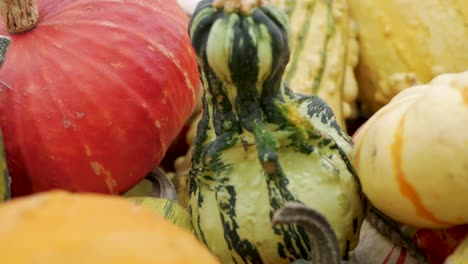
[(60, 227)]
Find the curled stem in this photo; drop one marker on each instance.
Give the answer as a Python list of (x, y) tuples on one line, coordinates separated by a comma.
[(162, 185), (324, 243)]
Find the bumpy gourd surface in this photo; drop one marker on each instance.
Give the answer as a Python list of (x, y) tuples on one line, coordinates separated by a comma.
[(403, 43), (260, 146)]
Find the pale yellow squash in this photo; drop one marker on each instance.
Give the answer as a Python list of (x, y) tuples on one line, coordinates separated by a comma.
[(404, 43), (460, 256), (412, 154), (324, 53)]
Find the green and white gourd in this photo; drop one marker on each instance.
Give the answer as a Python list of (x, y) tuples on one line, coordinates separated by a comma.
[(259, 146)]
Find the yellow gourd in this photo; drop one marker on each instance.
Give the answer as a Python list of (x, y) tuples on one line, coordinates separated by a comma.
[(59, 227), (323, 53), (404, 43), (412, 154)]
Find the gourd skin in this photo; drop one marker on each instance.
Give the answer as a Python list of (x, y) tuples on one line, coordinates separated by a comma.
[(324, 53), (411, 156), (258, 145), (404, 43)]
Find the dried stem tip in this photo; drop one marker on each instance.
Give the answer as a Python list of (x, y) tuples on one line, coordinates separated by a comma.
[(242, 6), (19, 15)]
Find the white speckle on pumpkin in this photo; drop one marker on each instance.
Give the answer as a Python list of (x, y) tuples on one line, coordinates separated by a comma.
[(116, 65), (80, 115), (108, 24), (99, 169), (57, 45), (176, 62), (88, 150), (164, 99), (157, 124), (66, 123)]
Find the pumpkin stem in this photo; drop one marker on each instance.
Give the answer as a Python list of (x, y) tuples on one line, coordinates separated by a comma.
[(324, 243), (242, 6), (19, 15), (4, 44)]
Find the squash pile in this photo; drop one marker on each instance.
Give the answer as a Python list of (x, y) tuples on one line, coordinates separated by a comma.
[(95, 97)]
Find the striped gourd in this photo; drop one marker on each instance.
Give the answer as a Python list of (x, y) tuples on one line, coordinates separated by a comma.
[(157, 193), (324, 52), (4, 179), (166, 208), (259, 145)]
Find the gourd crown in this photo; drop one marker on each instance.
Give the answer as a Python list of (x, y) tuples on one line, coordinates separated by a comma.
[(243, 44), (242, 6)]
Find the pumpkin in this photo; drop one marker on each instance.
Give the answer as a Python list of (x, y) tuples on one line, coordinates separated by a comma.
[(412, 155), (405, 43), (4, 178), (59, 227), (324, 53), (94, 93), (259, 145)]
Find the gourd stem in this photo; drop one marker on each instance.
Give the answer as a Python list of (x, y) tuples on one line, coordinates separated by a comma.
[(244, 6), (324, 243), (19, 15)]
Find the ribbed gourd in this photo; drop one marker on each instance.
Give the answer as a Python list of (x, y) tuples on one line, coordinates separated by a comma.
[(4, 178), (404, 43), (259, 145), (324, 53)]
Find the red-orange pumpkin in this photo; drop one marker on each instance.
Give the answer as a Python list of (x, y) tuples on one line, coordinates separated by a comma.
[(93, 95)]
